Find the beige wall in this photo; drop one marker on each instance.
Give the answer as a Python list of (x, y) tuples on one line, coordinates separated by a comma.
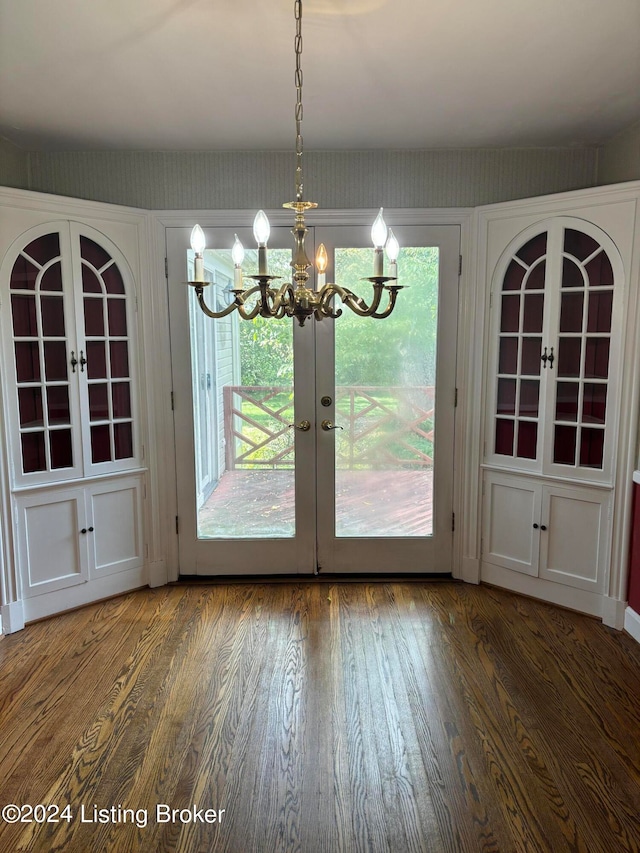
[(14, 165), (619, 159), (350, 179)]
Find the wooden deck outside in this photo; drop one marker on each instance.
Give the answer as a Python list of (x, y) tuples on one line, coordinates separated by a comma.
[(257, 503)]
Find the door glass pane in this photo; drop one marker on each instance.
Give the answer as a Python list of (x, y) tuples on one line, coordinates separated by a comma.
[(123, 439), (30, 406), (60, 447), (52, 278), (508, 361), (596, 363), (242, 384), (533, 308), (100, 444), (44, 249), (96, 360), (117, 311), (93, 317), (567, 401), (24, 316), (58, 405), (33, 453), (527, 439), (99, 401), (531, 356), (571, 312), (52, 316), (23, 275), (600, 307), (505, 431), (28, 361), (564, 446), (55, 360), (385, 402), (506, 396)]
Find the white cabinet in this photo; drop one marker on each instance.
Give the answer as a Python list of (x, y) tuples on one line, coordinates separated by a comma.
[(546, 530), (558, 292), (70, 395), (69, 536)]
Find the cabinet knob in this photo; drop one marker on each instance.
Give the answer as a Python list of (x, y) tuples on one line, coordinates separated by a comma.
[(84, 530), (535, 526), (91, 530), (543, 527)]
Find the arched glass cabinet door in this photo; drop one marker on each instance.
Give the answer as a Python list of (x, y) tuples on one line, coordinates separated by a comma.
[(559, 290), (105, 361), (68, 355), (517, 432), (42, 332)]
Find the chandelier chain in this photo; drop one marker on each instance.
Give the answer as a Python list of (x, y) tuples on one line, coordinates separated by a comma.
[(298, 110)]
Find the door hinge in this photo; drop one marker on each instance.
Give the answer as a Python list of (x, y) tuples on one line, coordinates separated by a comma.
[(455, 400), (459, 265), (173, 405), (453, 522), (177, 525), (166, 268)]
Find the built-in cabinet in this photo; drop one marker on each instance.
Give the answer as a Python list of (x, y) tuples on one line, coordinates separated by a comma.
[(557, 299), (72, 418), (550, 531)]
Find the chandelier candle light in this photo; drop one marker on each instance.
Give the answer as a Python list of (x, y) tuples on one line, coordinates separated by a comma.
[(296, 298)]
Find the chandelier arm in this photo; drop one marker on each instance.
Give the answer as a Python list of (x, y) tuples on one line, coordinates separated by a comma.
[(241, 298), (357, 303), (215, 315), (393, 293), (326, 295)]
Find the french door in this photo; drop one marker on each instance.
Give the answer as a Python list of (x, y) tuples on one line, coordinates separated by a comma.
[(323, 448)]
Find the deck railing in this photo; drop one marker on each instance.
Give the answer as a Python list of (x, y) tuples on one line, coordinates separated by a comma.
[(383, 426)]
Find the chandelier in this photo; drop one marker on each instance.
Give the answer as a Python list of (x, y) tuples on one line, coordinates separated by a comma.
[(296, 298)]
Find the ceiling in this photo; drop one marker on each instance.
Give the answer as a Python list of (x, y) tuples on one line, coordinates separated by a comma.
[(218, 74)]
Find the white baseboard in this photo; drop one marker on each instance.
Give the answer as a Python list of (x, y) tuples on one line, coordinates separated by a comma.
[(12, 617), (470, 570), (613, 612), (632, 623), (48, 604)]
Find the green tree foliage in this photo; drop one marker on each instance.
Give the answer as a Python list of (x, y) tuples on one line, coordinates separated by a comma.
[(398, 350)]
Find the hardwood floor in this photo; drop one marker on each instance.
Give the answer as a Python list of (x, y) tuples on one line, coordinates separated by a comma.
[(322, 718)]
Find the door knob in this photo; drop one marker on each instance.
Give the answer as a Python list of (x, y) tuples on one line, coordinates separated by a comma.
[(303, 426), (329, 425)]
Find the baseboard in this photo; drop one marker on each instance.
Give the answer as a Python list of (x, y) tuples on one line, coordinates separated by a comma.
[(632, 623), (613, 612), (61, 600), (12, 617), (470, 570)]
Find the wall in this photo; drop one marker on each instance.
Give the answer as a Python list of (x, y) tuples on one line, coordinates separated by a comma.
[(14, 165), (349, 179), (619, 159)]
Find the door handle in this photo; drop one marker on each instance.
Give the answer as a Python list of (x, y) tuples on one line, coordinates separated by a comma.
[(329, 425), (303, 426)]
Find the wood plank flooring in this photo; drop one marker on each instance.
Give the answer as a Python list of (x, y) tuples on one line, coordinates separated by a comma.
[(322, 718)]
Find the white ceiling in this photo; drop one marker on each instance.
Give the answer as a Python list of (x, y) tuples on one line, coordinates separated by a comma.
[(218, 74)]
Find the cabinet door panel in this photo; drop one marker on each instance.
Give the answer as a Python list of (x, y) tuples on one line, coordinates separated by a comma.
[(512, 507), (573, 544), (116, 520), (53, 550)]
